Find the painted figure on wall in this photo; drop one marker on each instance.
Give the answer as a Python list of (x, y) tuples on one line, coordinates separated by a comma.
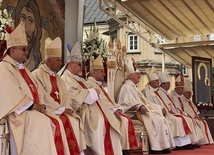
[(28, 12), (203, 83)]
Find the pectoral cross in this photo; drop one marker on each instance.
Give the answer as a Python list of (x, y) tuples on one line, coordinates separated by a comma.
[(57, 94), (31, 86)]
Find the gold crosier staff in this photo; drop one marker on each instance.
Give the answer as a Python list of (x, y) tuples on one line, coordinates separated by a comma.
[(148, 107)]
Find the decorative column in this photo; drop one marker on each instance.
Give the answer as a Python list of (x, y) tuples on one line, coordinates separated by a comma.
[(111, 67), (116, 68)]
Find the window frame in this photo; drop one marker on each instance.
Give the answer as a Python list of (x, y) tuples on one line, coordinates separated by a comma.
[(129, 45), (197, 38)]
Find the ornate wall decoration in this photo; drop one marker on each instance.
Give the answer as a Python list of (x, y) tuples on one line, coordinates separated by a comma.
[(41, 21), (202, 85)]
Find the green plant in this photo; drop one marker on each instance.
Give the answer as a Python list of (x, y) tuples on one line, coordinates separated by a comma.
[(94, 45), (5, 19)]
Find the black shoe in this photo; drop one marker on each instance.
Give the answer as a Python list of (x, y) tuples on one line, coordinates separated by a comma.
[(179, 148), (166, 151), (155, 152), (185, 147), (196, 146), (125, 152), (189, 147)]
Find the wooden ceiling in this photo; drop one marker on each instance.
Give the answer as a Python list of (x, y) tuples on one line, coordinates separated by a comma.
[(174, 18), (177, 18)]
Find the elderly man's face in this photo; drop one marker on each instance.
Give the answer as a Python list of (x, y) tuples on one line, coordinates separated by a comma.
[(179, 90), (135, 77), (154, 83), (165, 85), (28, 18), (187, 94), (54, 63), (99, 74), (75, 68)]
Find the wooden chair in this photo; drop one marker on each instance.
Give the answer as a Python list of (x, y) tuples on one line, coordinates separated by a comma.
[(116, 76), (4, 142), (141, 135)]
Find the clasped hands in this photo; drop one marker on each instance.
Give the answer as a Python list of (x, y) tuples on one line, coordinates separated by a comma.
[(39, 107), (143, 109), (68, 111)]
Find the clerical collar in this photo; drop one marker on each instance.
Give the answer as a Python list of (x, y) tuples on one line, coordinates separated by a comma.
[(19, 65), (162, 89), (50, 71), (132, 83), (76, 77), (152, 89), (177, 94), (90, 78), (99, 82)]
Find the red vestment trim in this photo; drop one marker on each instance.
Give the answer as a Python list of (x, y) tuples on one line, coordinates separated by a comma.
[(171, 101), (34, 92), (162, 101), (131, 131), (57, 137), (107, 142), (31, 86), (55, 90), (206, 130), (185, 125), (182, 106), (204, 123), (70, 136)]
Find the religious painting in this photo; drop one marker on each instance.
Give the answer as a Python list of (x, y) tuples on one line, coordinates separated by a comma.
[(202, 83), (42, 19)]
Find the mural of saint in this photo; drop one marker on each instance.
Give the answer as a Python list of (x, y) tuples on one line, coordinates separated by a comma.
[(42, 19), (28, 12)]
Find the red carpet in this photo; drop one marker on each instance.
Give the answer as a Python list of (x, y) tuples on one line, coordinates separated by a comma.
[(204, 150)]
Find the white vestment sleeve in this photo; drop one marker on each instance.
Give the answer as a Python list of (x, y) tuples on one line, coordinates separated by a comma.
[(59, 111), (91, 97), (23, 108), (118, 108)]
